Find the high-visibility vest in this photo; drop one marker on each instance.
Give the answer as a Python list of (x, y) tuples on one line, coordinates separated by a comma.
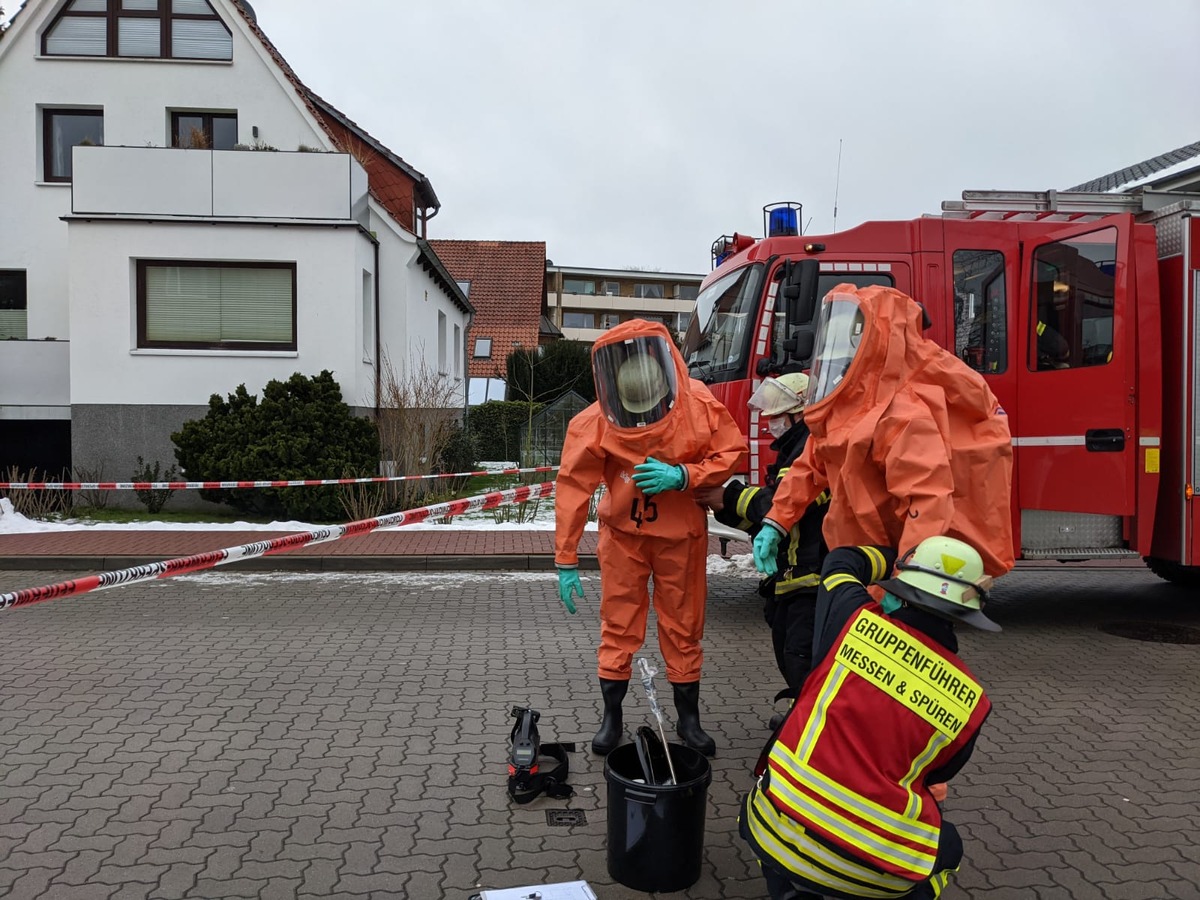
[(885, 706)]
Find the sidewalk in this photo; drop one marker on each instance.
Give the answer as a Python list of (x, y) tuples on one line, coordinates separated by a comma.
[(401, 549)]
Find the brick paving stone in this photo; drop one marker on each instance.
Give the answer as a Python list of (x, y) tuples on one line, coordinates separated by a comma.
[(322, 734)]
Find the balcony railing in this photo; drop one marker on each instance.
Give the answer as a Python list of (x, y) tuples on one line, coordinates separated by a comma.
[(35, 373), (237, 184)]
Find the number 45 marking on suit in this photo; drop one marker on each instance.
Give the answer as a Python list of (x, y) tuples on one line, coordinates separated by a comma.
[(648, 512)]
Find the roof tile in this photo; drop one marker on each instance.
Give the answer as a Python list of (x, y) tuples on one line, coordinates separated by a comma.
[(1139, 171), (507, 289)]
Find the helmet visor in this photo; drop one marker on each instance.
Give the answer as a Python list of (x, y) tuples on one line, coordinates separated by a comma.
[(774, 398), (839, 333), (636, 384)]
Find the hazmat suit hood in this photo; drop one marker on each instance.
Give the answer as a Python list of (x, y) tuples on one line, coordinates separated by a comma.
[(641, 378), (911, 441), (869, 341)]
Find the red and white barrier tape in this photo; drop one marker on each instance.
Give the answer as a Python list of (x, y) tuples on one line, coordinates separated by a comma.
[(220, 485), (201, 561)]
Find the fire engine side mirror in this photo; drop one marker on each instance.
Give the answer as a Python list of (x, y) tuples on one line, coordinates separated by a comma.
[(799, 292)]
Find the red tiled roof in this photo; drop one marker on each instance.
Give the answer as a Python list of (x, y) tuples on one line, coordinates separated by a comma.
[(507, 290)]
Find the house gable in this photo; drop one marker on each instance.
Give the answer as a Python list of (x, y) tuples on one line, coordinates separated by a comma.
[(405, 193)]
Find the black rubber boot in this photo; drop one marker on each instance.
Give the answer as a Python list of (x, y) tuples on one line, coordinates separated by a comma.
[(687, 704), (610, 732)]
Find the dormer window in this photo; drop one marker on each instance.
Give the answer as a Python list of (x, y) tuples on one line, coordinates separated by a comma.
[(139, 29)]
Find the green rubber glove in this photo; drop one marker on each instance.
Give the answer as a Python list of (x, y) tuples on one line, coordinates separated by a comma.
[(766, 546), (568, 584), (654, 477)]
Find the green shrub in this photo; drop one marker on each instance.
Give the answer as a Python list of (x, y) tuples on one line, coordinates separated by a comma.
[(460, 453), (301, 429), (496, 426), (154, 499)]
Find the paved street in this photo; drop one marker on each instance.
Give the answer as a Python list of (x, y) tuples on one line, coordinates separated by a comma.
[(345, 735)]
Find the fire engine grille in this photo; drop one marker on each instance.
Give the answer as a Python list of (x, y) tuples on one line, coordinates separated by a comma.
[(566, 817), (1079, 553), (1155, 632), (1046, 531)]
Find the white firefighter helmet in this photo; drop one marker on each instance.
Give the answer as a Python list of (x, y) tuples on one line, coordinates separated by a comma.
[(636, 382), (781, 395), (641, 383), (944, 576)]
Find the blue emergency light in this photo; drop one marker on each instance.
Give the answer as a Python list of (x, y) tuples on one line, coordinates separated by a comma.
[(782, 219)]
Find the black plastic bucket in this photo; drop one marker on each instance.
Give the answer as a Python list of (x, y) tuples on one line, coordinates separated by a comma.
[(656, 831)]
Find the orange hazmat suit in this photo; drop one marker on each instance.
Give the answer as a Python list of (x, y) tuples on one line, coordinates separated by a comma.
[(909, 441), (663, 534)]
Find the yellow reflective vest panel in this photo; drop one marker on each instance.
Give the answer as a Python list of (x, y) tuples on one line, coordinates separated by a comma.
[(885, 707)]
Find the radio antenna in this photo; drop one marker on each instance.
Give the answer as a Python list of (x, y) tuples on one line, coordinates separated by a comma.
[(837, 184)]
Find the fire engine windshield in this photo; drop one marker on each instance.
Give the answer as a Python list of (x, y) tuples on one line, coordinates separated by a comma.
[(717, 342)]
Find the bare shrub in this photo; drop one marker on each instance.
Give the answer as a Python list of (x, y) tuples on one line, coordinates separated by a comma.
[(37, 504), (94, 499), (418, 419), (195, 139), (594, 504), (364, 501), (517, 513)]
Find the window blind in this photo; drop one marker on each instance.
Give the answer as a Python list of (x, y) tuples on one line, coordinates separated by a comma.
[(13, 324), (78, 36), (212, 304), (192, 39), (139, 37)]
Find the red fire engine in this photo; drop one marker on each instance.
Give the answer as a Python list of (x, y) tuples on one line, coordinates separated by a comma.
[(1082, 311)]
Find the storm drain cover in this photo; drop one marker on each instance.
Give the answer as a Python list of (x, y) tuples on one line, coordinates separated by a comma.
[(566, 817), (1156, 632)]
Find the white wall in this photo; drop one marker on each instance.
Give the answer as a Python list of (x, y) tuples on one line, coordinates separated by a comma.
[(410, 302), (106, 366)]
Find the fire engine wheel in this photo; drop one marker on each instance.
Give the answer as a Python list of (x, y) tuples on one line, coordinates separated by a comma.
[(1184, 576)]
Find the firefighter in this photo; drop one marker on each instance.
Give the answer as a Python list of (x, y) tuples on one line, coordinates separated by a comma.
[(909, 441), (844, 804), (653, 437), (790, 594)]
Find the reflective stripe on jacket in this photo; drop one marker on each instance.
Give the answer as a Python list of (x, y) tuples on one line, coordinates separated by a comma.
[(793, 848)]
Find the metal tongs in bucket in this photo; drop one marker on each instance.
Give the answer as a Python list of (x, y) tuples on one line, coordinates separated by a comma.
[(648, 673)]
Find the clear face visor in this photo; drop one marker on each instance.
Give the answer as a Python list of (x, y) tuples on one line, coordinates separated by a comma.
[(774, 398), (840, 326), (635, 379)]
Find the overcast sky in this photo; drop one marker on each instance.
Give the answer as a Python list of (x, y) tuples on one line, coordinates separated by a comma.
[(634, 132)]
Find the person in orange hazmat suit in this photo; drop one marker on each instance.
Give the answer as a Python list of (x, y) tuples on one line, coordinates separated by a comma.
[(652, 437), (909, 440)]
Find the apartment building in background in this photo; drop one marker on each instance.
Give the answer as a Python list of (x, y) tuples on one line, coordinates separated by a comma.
[(584, 303)]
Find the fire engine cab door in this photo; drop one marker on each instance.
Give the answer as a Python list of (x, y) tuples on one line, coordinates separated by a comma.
[(1073, 425)]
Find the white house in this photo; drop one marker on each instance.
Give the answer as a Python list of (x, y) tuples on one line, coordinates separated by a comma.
[(146, 264)]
